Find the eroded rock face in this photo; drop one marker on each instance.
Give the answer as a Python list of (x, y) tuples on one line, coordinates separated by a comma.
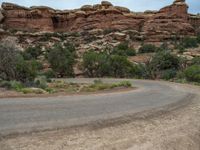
[(153, 26), (1, 16), (168, 22), (30, 19)]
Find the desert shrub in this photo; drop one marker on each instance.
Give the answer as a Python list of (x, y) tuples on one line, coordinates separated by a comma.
[(198, 38), (8, 60), (147, 48), (139, 71), (124, 84), (189, 42), (192, 73), (96, 64), (123, 50), (196, 61), (168, 74), (104, 64), (32, 53), (26, 70), (98, 86), (33, 91), (16, 85), (162, 61), (120, 66), (62, 59), (13, 85), (41, 82), (5, 84), (13, 66), (49, 74)]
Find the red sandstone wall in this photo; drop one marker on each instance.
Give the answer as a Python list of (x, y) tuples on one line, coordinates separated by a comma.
[(158, 26)]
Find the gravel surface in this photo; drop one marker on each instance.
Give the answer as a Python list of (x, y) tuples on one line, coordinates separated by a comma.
[(172, 127)]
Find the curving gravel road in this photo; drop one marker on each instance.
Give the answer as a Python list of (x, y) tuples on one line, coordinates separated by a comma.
[(30, 114)]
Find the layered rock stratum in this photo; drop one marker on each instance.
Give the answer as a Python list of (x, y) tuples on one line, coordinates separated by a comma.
[(154, 26)]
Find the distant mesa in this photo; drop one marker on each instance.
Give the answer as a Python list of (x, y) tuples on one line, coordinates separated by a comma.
[(152, 25)]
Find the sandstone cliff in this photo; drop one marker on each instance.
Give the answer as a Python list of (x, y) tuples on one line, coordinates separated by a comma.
[(149, 26)]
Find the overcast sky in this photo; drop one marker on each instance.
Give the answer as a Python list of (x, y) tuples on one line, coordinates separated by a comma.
[(134, 5)]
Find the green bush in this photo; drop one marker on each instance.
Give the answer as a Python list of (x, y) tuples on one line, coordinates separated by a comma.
[(8, 60), (123, 50), (32, 91), (120, 67), (196, 61), (13, 85), (16, 85), (41, 82), (124, 84), (139, 71), (168, 74), (5, 84), (26, 70), (103, 64), (62, 59), (49, 74), (147, 48), (98, 86), (192, 73), (163, 61), (96, 64), (198, 38), (189, 42), (32, 53)]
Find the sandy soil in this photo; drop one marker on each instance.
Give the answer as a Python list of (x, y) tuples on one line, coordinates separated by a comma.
[(175, 130)]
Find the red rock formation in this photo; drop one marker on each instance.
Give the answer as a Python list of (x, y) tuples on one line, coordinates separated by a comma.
[(22, 18), (169, 21), (154, 26)]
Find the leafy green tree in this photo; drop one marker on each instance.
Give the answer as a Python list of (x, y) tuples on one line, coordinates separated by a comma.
[(62, 59), (26, 70), (192, 73), (163, 61), (32, 53), (103, 64), (8, 60), (120, 66), (96, 64), (13, 66)]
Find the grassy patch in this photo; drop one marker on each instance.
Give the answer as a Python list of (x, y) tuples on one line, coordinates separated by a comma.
[(62, 87), (33, 91), (100, 86)]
